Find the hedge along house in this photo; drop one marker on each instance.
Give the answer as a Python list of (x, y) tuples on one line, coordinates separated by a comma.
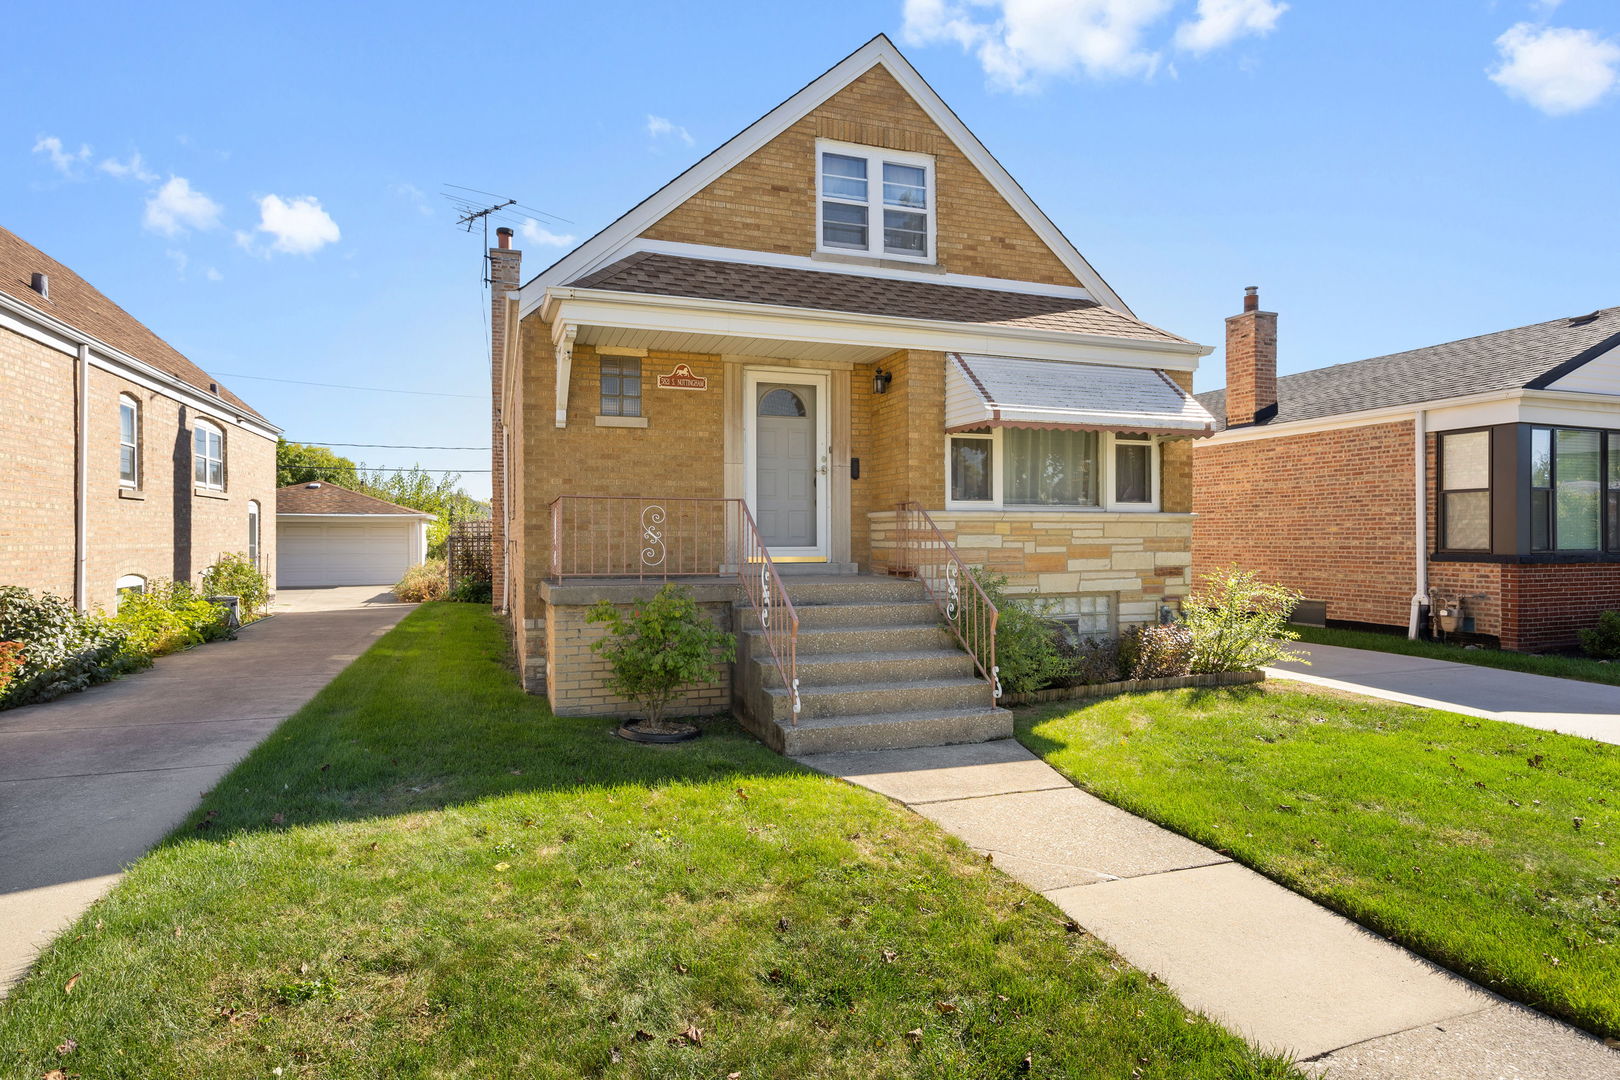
[(839, 361), (1482, 475)]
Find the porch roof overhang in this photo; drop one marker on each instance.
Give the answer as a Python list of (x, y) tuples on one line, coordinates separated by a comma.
[(1024, 392), (691, 324)]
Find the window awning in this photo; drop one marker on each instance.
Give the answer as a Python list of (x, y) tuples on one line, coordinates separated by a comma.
[(1004, 391)]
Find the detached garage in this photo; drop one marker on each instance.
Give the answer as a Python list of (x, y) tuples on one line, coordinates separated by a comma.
[(327, 535)]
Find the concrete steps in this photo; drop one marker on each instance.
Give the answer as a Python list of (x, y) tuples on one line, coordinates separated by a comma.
[(877, 671)]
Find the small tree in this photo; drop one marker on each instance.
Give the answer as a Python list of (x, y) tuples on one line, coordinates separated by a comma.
[(659, 647), (237, 575), (1239, 623)]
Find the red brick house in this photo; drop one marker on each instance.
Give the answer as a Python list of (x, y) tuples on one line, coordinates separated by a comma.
[(1483, 473), (121, 461), (819, 376)]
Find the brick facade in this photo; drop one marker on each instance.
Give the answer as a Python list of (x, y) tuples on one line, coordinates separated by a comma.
[(577, 684)]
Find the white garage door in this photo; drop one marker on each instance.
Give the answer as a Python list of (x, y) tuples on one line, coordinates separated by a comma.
[(343, 552)]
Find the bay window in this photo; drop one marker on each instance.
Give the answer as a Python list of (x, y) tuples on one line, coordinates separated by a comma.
[(875, 202), (1574, 489), (1051, 469)]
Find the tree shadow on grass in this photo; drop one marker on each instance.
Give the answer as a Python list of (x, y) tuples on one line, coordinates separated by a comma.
[(432, 717)]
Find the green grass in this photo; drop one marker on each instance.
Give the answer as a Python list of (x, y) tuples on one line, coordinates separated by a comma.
[(425, 874), (1563, 667), (1491, 848)]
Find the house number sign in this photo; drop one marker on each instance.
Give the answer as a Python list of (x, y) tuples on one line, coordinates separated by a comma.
[(682, 379)]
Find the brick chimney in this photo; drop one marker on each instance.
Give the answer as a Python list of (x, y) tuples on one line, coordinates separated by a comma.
[(1251, 363), (505, 275)]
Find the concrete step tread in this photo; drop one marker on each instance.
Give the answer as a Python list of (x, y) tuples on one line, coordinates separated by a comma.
[(891, 718), (940, 683), (830, 631), (886, 656)]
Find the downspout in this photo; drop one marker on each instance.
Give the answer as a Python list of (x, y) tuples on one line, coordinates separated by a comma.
[(81, 488), (506, 517), (1420, 517)]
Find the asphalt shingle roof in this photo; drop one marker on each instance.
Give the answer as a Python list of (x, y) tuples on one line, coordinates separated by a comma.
[(675, 275), (325, 498), (82, 306), (1524, 357)]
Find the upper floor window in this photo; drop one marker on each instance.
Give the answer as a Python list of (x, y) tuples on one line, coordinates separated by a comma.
[(208, 455), (1051, 469), (1465, 491), (253, 531), (875, 202), (129, 441), (621, 386)]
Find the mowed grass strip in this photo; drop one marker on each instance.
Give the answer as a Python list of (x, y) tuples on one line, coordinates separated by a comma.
[(425, 874), (1583, 668), (1491, 848)]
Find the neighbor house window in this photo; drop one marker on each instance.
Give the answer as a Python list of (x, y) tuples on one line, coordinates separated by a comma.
[(208, 456), (253, 531), (1087, 617), (1573, 489), (876, 202), (128, 585), (621, 386), (129, 441), (1050, 468), (1465, 491)]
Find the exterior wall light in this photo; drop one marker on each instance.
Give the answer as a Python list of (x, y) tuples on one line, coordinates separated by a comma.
[(881, 380)]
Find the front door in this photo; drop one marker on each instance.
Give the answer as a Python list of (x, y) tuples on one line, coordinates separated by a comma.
[(789, 456)]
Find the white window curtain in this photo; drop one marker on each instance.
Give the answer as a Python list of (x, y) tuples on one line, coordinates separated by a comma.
[(1050, 467)]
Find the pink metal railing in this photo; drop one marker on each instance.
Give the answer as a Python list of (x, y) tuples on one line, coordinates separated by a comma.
[(927, 555), (624, 536)]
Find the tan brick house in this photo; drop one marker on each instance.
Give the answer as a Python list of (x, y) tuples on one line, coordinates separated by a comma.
[(841, 359), (1482, 475), (121, 461)]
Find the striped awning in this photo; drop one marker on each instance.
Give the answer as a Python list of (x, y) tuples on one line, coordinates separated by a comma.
[(1006, 391)]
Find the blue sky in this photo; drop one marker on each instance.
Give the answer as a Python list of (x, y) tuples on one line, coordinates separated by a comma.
[(1390, 174)]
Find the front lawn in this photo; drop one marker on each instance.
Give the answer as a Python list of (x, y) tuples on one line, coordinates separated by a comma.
[(1563, 667), (1491, 848), (425, 874)]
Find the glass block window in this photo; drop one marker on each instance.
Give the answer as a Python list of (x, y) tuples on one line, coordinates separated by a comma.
[(621, 386)]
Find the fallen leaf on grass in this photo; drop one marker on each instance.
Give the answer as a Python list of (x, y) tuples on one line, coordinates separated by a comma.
[(741, 794), (681, 969), (944, 1007), (889, 956), (1072, 927), (692, 1035), (502, 867), (642, 1036), (71, 983), (58, 1074), (616, 1057), (782, 923), (915, 1036), (67, 1046)]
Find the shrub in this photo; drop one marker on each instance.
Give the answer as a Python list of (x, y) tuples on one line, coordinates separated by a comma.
[(1239, 623), (63, 650), (1026, 645), (237, 575), (1157, 652), (11, 658), (472, 589), (424, 581), (1603, 640), (170, 616), (1090, 661), (662, 645)]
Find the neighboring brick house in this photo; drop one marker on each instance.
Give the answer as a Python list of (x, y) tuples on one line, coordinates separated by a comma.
[(848, 306), (1315, 480), (121, 461)]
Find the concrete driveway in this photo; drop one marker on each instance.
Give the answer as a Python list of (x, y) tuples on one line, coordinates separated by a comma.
[(1539, 701), (89, 782)]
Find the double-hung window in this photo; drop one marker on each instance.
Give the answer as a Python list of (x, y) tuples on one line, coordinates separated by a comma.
[(1051, 469), (129, 441), (621, 386), (253, 531), (875, 202), (1574, 489), (208, 456), (1465, 491)]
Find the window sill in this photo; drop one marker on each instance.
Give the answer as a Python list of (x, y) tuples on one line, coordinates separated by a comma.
[(131, 493), (209, 493), (621, 421), (884, 262)]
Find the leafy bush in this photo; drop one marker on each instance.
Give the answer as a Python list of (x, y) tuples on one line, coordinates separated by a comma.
[(1157, 652), (169, 616), (1603, 640), (662, 645), (1026, 646), (63, 650), (472, 589), (11, 658), (1090, 661), (1239, 623), (425, 581), (237, 575)]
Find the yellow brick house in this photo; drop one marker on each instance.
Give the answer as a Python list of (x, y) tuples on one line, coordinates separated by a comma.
[(819, 376)]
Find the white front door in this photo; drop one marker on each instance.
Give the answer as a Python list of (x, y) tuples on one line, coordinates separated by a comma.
[(786, 448)]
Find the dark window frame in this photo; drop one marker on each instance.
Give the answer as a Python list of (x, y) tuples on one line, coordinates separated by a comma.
[(621, 369), (1442, 532), (1608, 528)]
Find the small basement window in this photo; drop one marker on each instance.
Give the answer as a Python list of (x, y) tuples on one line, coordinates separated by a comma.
[(1082, 618)]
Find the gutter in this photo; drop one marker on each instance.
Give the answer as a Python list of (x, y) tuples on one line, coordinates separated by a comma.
[(81, 487)]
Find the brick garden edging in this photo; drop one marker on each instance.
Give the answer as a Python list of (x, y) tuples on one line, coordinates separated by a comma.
[(1097, 690)]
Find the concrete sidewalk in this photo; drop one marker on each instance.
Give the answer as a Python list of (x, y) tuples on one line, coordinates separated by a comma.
[(1266, 962), (1588, 709), (90, 781)]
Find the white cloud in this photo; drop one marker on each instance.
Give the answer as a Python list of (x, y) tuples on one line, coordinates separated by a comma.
[(181, 261), (213, 274), (1556, 69), (299, 225), (133, 169), (659, 128), (1221, 22), (535, 233), (175, 207), (413, 195), (62, 160)]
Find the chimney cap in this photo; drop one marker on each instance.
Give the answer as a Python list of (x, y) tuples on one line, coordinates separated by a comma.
[(503, 237), (1251, 298)]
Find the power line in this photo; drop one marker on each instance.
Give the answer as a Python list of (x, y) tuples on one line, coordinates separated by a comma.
[(363, 468), (383, 445), (341, 386)]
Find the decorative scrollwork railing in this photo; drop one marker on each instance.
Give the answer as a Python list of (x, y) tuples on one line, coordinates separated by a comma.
[(927, 555), (769, 603)]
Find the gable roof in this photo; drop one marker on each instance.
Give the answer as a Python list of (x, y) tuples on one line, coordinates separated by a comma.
[(1526, 357), (674, 275), (879, 51), (82, 306), (325, 498)]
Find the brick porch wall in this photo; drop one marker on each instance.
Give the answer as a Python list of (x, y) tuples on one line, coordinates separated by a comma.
[(576, 685)]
